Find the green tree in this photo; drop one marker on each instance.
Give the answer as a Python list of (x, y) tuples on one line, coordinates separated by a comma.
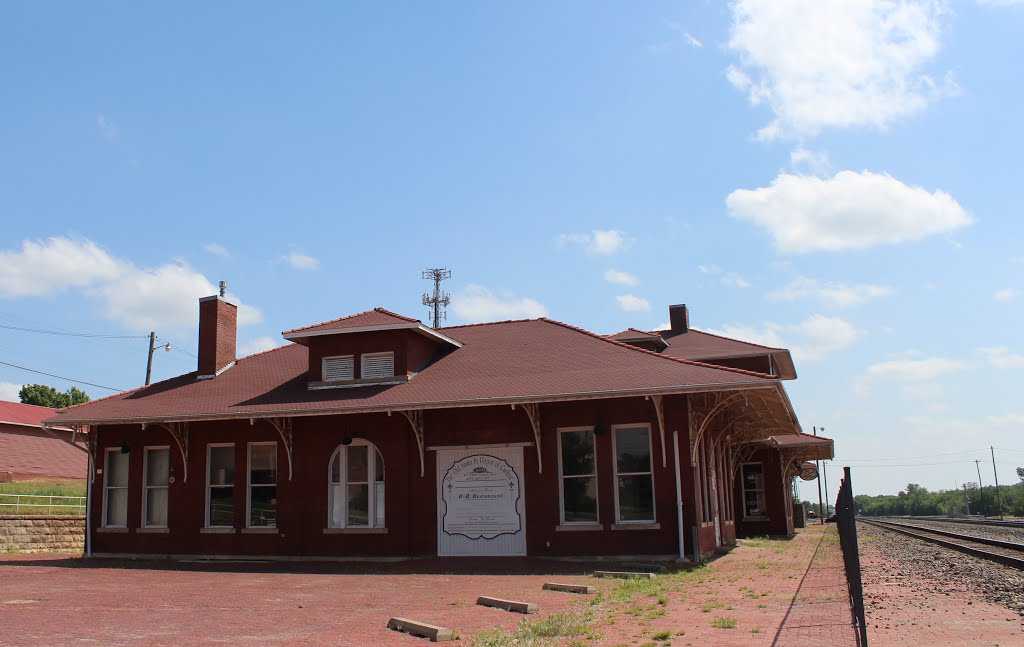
[(47, 396)]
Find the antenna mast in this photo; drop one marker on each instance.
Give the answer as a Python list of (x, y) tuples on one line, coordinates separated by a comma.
[(438, 299)]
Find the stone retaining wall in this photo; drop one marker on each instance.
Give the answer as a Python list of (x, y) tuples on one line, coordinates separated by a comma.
[(41, 534)]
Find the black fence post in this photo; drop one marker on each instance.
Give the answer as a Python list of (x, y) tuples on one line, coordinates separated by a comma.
[(846, 523)]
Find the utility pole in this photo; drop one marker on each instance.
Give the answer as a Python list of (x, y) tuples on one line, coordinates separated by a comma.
[(981, 488), (149, 363), (999, 501), (438, 299), (821, 506), (824, 471)]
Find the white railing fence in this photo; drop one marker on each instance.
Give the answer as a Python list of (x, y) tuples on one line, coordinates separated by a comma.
[(42, 504)]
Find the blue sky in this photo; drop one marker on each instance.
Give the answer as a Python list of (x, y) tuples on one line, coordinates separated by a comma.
[(835, 177)]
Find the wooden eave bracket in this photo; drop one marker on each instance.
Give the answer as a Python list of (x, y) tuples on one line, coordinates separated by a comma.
[(659, 411), (178, 431), (415, 419), (284, 429), (532, 410)]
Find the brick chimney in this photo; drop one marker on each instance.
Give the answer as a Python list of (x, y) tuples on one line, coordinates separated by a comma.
[(218, 325), (679, 318)]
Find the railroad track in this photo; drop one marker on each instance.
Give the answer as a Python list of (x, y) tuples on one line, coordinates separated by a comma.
[(976, 522), (1003, 552)]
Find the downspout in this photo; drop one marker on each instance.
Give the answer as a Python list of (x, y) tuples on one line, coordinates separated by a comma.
[(679, 497), (88, 507)]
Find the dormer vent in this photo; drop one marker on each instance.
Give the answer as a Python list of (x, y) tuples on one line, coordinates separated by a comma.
[(339, 368), (376, 365)]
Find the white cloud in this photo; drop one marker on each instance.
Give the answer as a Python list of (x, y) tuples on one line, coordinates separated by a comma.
[(690, 38), (916, 370), (632, 303), (1006, 294), (477, 303), (834, 63), (849, 211), (1008, 420), (925, 391), (107, 127), (598, 241), (833, 295), (805, 161), (47, 267), (137, 298), (258, 345), (1000, 3), (217, 250), (9, 391), (620, 278), (300, 260), (731, 279), (814, 338), (1001, 357)]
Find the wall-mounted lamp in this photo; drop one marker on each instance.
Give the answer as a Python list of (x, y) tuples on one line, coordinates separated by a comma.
[(346, 440), (124, 448), (600, 427)]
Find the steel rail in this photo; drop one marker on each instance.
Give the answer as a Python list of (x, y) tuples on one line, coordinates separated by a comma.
[(1006, 560), (976, 522)]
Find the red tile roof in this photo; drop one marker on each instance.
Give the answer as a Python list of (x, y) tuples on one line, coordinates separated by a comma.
[(370, 318), (499, 363), (632, 334), (29, 453), (16, 413), (697, 344)]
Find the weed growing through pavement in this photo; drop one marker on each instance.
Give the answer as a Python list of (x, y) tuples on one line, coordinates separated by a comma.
[(570, 624), (723, 622)]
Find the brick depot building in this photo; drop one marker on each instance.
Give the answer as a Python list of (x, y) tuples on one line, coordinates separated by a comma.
[(376, 436)]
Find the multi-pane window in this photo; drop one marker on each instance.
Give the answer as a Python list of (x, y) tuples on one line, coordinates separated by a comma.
[(262, 485), (357, 487), (634, 480), (578, 471), (377, 365), (753, 490), (155, 473), (115, 489), (220, 488)]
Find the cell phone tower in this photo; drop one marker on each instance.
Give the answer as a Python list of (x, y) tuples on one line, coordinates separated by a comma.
[(438, 300)]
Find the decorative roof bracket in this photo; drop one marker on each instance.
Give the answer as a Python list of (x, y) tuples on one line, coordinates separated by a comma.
[(415, 419), (178, 431), (532, 410), (659, 411), (284, 429)]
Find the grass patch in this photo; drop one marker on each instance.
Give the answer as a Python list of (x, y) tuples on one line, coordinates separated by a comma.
[(634, 586), (56, 489), (723, 622), (755, 630), (662, 635), (571, 624), (708, 607), (757, 542)]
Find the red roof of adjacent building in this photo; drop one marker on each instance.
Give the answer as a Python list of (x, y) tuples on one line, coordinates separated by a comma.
[(632, 334), (505, 362), (16, 413), (699, 345), (28, 452), (368, 319)]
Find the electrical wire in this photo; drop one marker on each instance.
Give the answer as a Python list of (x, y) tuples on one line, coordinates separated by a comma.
[(61, 377), (64, 333)]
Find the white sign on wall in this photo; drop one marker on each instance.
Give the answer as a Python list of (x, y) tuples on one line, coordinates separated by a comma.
[(480, 498)]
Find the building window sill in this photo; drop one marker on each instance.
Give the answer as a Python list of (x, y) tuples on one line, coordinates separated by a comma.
[(355, 531), (579, 527), (154, 531), (217, 531), (260, 531), (636, 526), (111, 530)]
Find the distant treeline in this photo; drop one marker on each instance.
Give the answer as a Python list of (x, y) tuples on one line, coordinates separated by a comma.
[(917, 500)]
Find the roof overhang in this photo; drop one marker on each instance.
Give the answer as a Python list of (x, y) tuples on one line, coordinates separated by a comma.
[(765, 385), (804, 447), (301, 337)]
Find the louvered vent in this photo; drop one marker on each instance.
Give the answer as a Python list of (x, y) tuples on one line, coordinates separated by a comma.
[(378, 365), (339, 368)]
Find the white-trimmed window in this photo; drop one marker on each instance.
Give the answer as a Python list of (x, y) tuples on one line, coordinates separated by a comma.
[(356, 490), (754, 506), (634, 478), (220, 486), (577, 471), (156, 470), (115, 488), (262, 496), (377, 365), (341, 367)]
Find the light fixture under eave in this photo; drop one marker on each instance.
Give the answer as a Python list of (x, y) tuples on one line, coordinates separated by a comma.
[(346, 440)]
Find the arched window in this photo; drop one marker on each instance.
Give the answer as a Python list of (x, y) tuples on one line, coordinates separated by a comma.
[(356, 490)]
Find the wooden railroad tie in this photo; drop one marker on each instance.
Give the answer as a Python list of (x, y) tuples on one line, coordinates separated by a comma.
[(508, 605), (624, 575), (421, 629), (569, 588)]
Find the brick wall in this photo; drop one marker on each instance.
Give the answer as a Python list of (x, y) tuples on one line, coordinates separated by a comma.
[(41, 534)]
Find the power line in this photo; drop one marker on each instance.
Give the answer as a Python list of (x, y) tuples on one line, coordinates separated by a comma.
[(61, 377), (64, 333), (177, 348), (908, 458)]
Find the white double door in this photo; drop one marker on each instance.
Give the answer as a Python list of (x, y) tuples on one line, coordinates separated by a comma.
[(481, 506)]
